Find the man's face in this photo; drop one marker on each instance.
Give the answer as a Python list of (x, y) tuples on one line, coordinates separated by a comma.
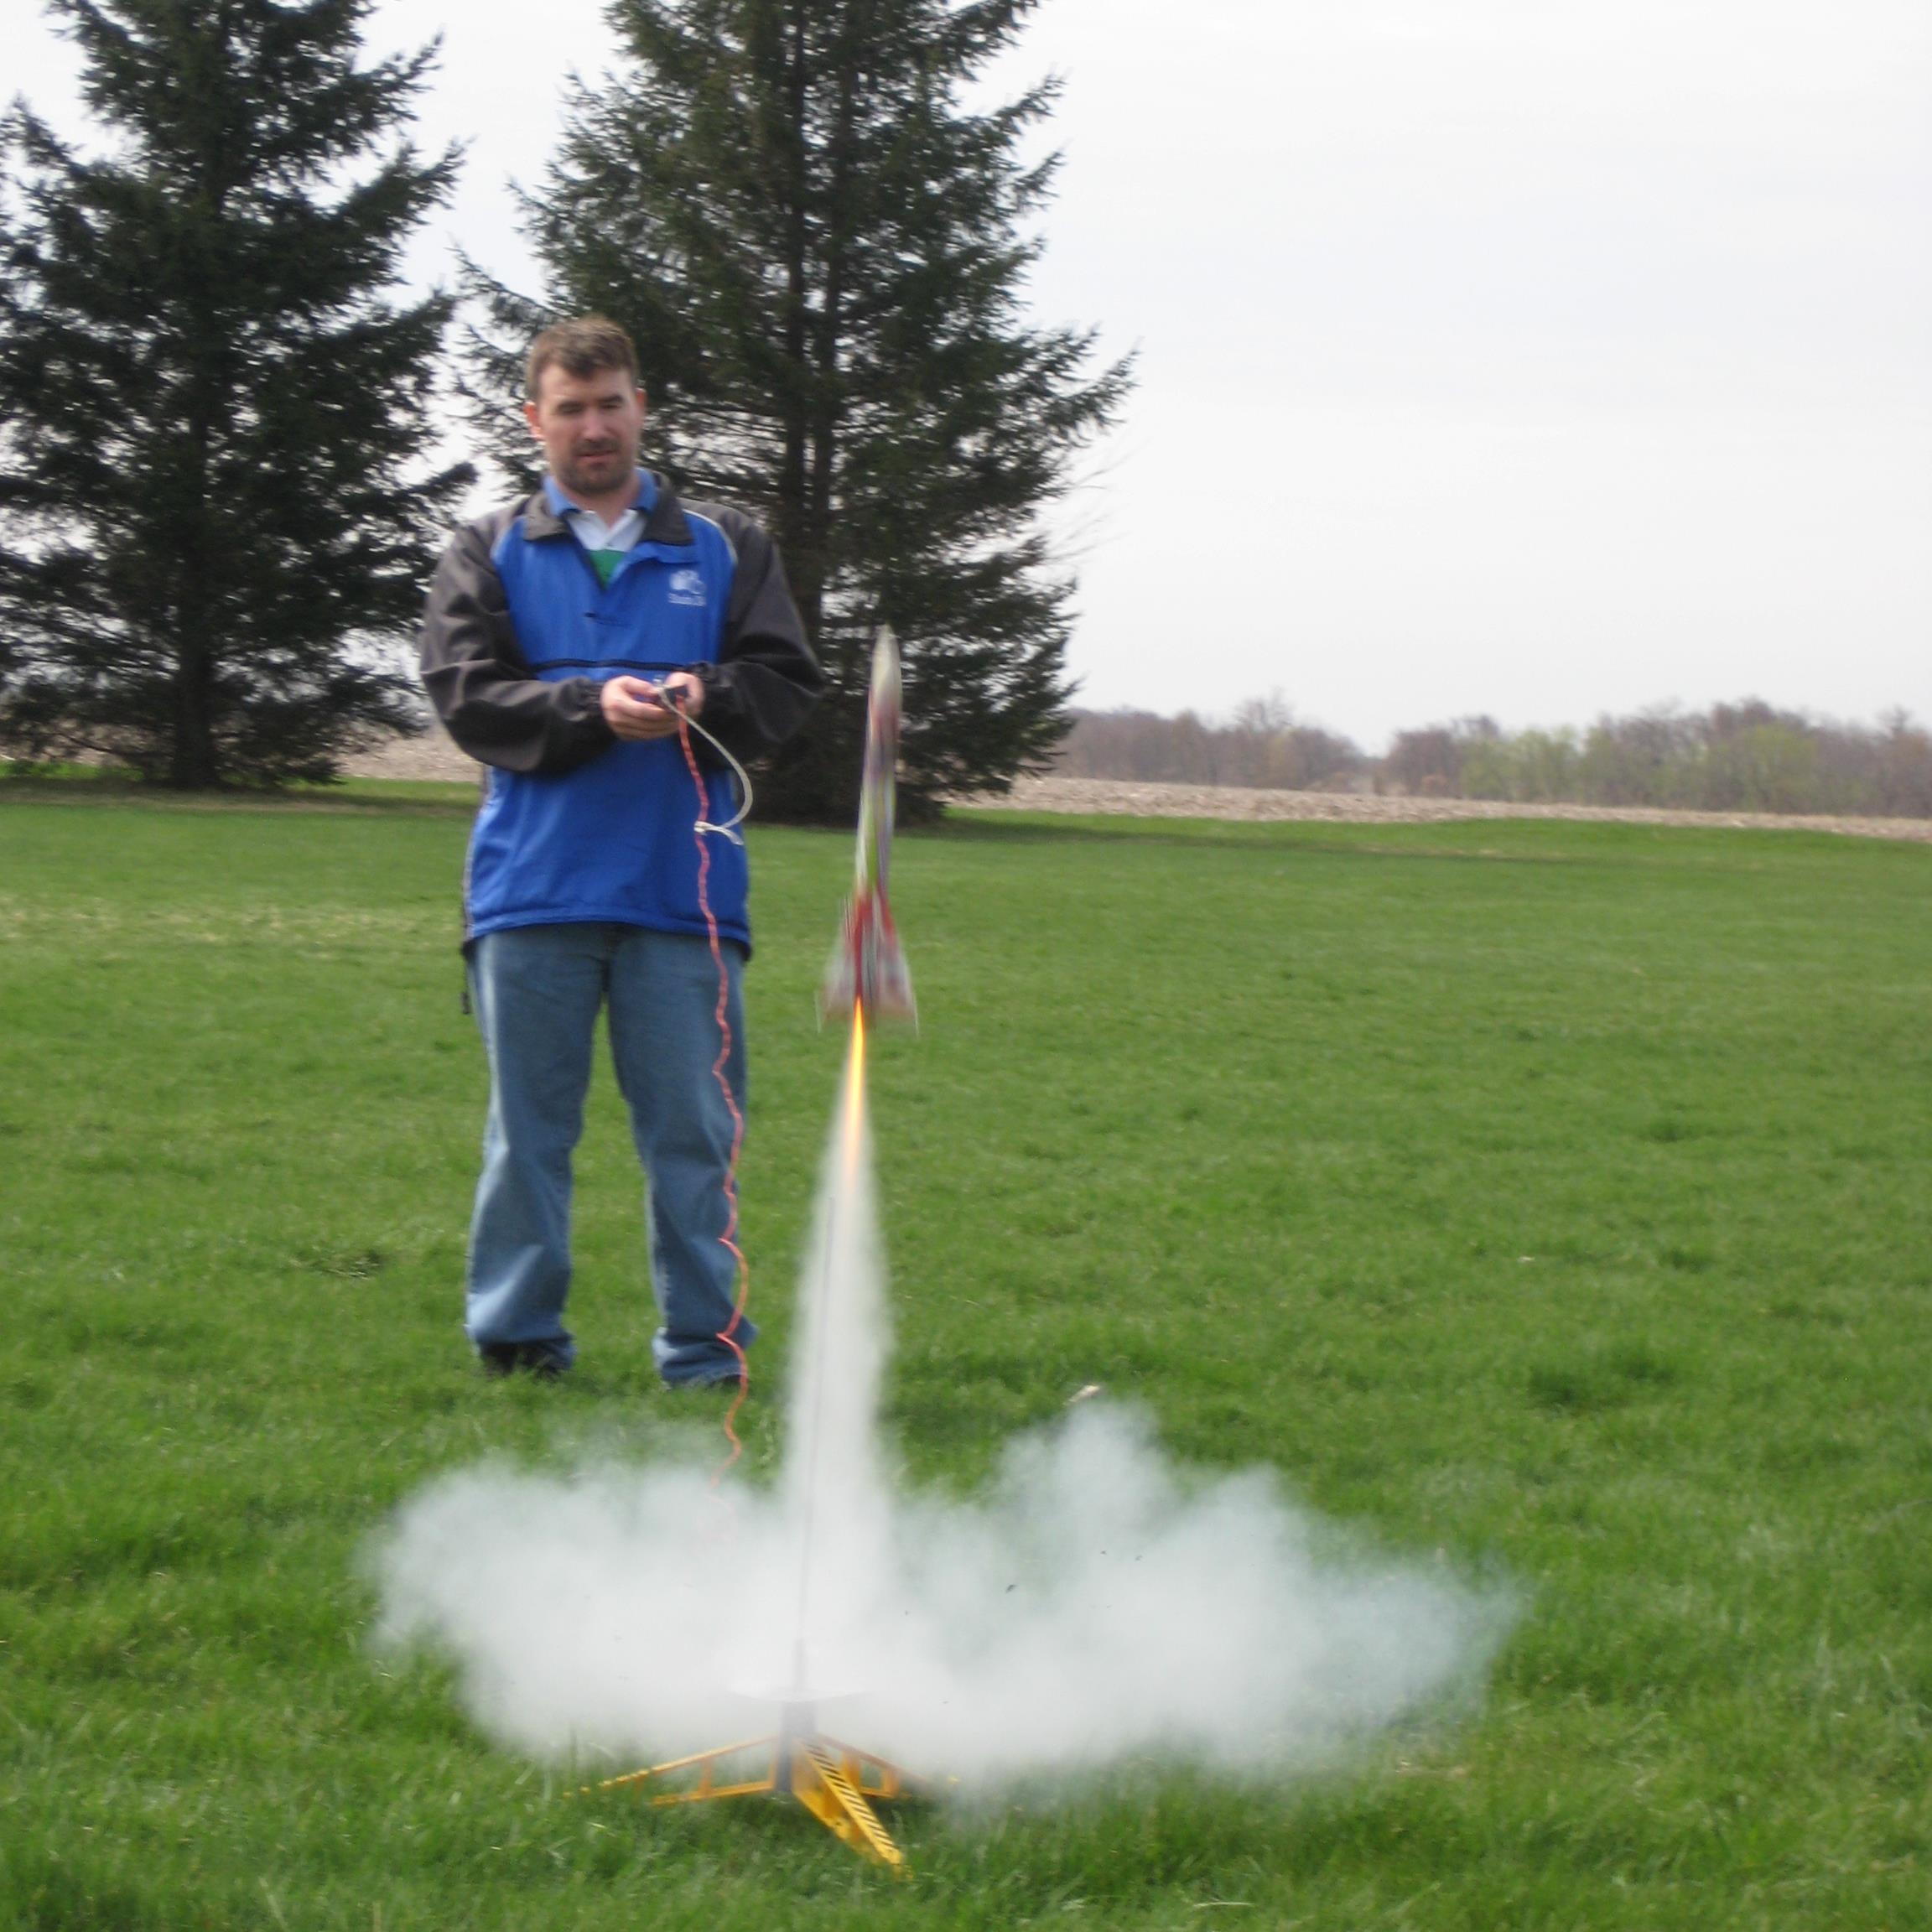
[(589, 426)]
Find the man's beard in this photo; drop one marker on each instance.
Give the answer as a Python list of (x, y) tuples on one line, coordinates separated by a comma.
[(613, 469)]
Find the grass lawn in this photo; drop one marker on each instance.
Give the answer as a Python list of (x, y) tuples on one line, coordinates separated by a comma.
[(1551, 1196)]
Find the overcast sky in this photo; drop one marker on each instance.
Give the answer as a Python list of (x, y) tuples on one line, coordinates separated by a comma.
[(1535, 358)]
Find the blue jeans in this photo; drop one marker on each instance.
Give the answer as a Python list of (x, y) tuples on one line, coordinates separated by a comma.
[(537, 990)]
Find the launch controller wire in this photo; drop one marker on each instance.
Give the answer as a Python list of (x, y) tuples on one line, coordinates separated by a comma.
[(728, 1239)]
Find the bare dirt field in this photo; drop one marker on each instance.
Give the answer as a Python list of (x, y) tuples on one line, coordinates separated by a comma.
[(1228, 801), (436, 757), (430, 756)]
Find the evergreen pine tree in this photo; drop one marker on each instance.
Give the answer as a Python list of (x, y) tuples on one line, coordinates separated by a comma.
[(820, 250), (210, 406)]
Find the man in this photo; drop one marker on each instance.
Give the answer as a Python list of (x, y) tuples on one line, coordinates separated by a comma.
[(563, 636)]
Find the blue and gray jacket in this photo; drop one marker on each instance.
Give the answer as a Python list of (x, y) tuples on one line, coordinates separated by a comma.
[(518, 637)]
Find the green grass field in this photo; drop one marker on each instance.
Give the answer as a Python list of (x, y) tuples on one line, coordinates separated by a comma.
[(1551, 1197)]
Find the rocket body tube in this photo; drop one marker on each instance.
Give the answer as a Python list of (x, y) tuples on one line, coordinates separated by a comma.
[(867, 966)]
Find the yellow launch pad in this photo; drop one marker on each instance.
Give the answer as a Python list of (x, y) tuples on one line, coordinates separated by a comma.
[(837, 1784)]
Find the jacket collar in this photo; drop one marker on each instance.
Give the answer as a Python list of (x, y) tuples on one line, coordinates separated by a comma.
[(664, 519)]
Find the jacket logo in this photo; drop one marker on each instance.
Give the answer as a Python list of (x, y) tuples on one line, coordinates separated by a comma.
[(687, 587)]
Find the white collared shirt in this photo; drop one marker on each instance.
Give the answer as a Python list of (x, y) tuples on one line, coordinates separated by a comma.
[(594, 533)]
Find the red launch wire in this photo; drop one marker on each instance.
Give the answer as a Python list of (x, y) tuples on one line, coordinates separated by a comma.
[(728, 1239)]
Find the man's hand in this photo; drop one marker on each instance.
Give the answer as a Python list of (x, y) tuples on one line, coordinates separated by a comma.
[(634, 709)]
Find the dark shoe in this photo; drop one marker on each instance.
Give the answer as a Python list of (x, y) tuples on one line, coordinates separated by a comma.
[(730, 1382), (537, 1359)]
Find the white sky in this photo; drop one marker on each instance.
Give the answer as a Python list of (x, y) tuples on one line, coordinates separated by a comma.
[(1538, 357)]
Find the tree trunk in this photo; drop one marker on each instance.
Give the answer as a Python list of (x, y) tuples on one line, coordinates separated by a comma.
[(793, 531), (194, 766), (827, 398)]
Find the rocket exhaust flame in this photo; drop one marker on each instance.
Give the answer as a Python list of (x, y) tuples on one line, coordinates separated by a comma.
[(846, 1198), (855, 1089)]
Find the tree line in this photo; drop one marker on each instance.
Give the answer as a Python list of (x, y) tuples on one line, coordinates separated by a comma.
[(1747, 756), (220, 415), (1262, 744)]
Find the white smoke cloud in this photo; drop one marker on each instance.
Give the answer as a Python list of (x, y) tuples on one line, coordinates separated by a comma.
[(1094, 1605)]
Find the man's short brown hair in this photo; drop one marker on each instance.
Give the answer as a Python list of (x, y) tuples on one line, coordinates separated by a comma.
[(582, 346)]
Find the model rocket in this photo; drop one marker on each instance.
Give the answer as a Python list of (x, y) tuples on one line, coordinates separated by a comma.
[(867, 968)]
